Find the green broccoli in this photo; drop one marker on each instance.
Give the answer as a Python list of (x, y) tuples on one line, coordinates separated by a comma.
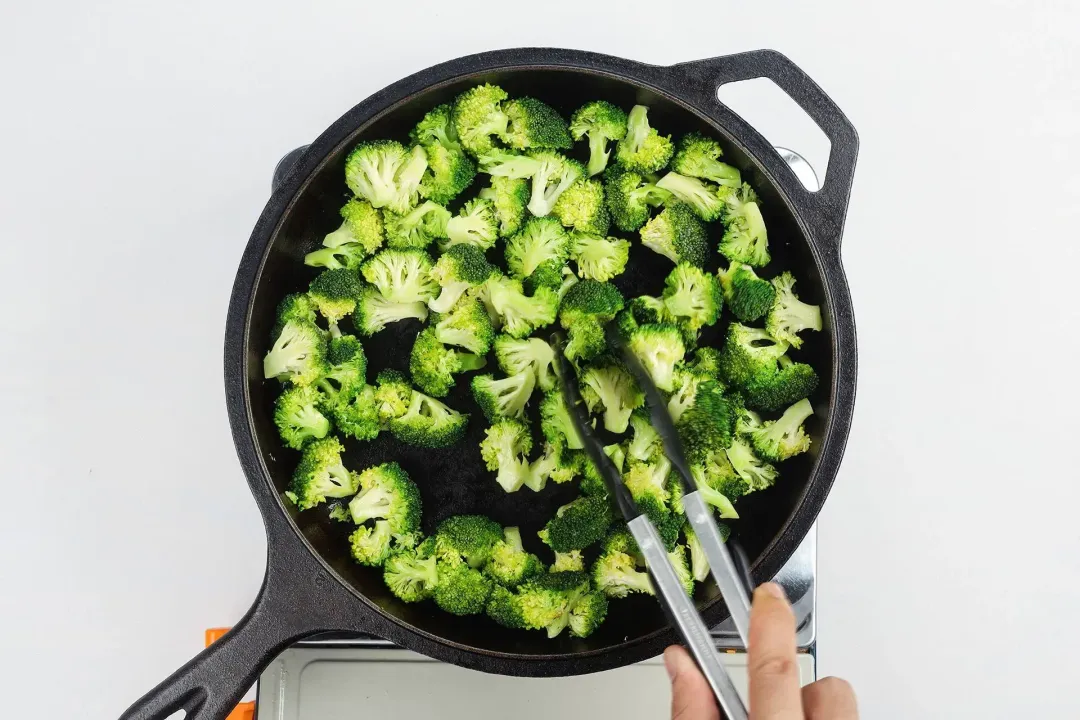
[(320, 475), (592, 482), (684, 389), (476, 225), (374, 312), (478, 115), (557, 464), (706, 362), (510, 565), (778, 440), (520, 314), (699, 195), (597, 257), (433, 365), (601, 121), (534, 124), (748, 296), (360, 234), (547, 275), (467, 325), (504, 607), (418, 227), (402, 275), (393, 396), (449, 169), (386, 174), (708, 424), (540, 240), (680, 563), (616, 575), (297, 416), (526, 355), (429, 423), (699, 561), (745, 239), (647, 483), (460, 268), (508, 164), (294, 307), (547, 601), (792, 382), (578, 524), (758, 474), (555, 422), (749, 355), (505, 449), (629, 197), (462, 590), (568, 561), (467, 538), (699, 156), (677, 234), (607, 385), (587, 614), (370, 545), (620, 540), (298, 353), (586, 341), (718, 484), (437, 128), (582, 208), (650, 310), (789, 316), (510, 196), (587, 307), (645, 445), (659, 347), (504, 398), (643, 149), (411, 574), (554, 175), (692, 296), (357, 415), (388, 493), (334, 293)]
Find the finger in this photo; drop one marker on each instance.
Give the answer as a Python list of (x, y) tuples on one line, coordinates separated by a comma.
[(829, 699), (774, 675), (691, 696)]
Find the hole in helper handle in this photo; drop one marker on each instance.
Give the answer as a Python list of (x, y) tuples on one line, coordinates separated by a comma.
[(824, 210)]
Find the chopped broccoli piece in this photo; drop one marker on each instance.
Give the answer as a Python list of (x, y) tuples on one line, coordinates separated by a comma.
[(789, 316), (510, 565), (659, 347), (647, 309), (718, 484), (371, 545), (344, 389), (699, 195), (645, 445), (597, 257), (339, 511), (437, 127), (555, 422), (467, 325), (505, 398), (601, 121), (607, 385), (526, 355), (418, 227), (677, 234), (505, 449), (577, 525), (508, 164), (520, 314), (586, 341), (778, 440), (749, 355), (699, 562), (616, 575), (358, 416), (757, 473), (393, 396), (568, 561), (699, 156), (587, 614), (709, 424), (374, 312), (629, 197), (401, 275), (534, 124), (643, 149), (557, 464), (346, 255), (433, 365), (692, 296), (462, 590), (478, 115), (794, 381), (320, 475), (467, 538), (460, 268), (360, 234), (706, 362), (745, 239), (548, 275), (592, 483), (298, 353), (388, 493), (647, 483), (681, 565), (582, 207), (411, 574), (294, 307), (334, 293), (748, 296), (386, 174), (587, 307), (621, 540), (684, 390), (504, 607), (297, 416), (548, 600), (510, 196), (554, 175), (429, 423), (541, 240), (449, 169), (475, 225)]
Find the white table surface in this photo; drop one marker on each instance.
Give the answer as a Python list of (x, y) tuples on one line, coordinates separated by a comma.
[(138, 140)]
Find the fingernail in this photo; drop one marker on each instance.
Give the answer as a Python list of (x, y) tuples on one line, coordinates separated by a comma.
[(669, 664), (773, 590)]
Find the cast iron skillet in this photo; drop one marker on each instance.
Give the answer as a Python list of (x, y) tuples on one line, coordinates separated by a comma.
[(311, 585)]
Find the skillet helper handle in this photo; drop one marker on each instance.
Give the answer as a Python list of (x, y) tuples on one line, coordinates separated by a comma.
[(826, 209), (684, 616)]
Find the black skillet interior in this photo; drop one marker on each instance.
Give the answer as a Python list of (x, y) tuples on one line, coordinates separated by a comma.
[(453, 480)]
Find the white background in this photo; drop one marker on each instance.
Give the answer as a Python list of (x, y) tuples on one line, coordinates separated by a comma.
[(138, 141)]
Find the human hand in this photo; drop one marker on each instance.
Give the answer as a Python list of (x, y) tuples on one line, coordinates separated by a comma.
[(774, 675)]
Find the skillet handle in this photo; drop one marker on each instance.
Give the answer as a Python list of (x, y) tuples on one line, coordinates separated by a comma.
[(825, 209)]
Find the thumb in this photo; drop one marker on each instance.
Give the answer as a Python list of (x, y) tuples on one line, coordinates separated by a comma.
[(691, 696)]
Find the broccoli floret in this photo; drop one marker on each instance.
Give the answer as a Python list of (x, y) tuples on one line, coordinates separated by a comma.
[(541, 240), (789, 316), (555, 422), (568, 561), (320, 475), (745, 239), (361, 225), (475, 225), (461, 267), (467, 325), (467, 538), (592, 482), (601, 121), (371, 545), (554, 175), (659, 347), (684, 390), (374, 312), (586, 341), (557, 464), (645, 445), (297, 416), (429, 423), (449, 169), (437, 127), (294, 307), (647, 483), (749, 355), (505, 449), (510, 196), (616, 575), (504, 398), (547, 600), (433, 365), (647, 310), (607, 385), (587, 614), (418, 227), (709, 424), (478, 115), (629, 197), (758, 474), (387, 493), (577, 525), (358, 415), (680, 563), (520, 314), (462, 590), (534, 124), (643, 149), (402, 276), (510, 565), (699, 156), (597, 257), (706, 362), (548, 275), (298, 354), (339, 511), (334, 293), (411, 574), (526, 355), (590, 301), (699, 562), (748, 296), (692, 296), (794, 381), (504, 607), (386, 174), (582, 208), (346, 255), (677, 234), (620, 540), (699, 195), (778, 440), (393, 396), (718, 484), (508, 164)]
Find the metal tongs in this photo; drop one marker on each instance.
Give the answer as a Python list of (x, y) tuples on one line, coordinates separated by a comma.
[(730, 574)]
